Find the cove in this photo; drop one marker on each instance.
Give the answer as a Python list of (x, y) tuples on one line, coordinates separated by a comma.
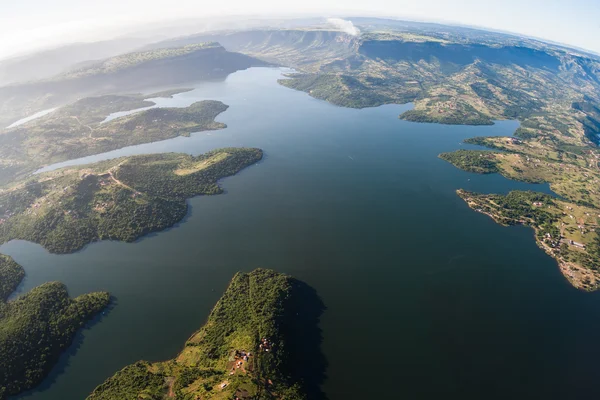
[(425, 298)]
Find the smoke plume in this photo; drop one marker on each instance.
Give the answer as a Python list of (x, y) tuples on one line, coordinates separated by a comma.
[(344, 25)]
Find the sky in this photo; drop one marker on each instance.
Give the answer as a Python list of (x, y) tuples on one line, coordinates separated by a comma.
[(27, 25)]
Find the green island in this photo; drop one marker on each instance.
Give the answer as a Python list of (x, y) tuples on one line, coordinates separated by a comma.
[(121, 199), (37, 327), (78, 130), (261, 341)]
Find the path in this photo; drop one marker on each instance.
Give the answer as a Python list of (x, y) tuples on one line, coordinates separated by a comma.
[(87, 126), (110, 172)]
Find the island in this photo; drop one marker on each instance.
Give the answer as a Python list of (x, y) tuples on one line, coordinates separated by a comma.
[(261, 340), (79, 129), (120, 199), (37, 327)]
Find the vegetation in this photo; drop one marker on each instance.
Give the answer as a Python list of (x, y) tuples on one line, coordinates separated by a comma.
[(449, 118), (566, 228), (12, 274), (120, 199), (458, 77), (482, 162), (78, 130), (572, 173), (251, 347), (341, 90), (566, 231), (37, 327)]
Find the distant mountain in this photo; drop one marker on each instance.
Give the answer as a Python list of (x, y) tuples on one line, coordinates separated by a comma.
[(45, 64), (290, 47), (124, 73)]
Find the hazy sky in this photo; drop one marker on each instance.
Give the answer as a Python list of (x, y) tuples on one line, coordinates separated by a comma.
[(28, 24)]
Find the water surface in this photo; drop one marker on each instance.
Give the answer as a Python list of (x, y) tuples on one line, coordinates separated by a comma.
[(425, 298)]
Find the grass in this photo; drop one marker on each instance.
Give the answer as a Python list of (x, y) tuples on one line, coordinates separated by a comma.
[(201, 165)]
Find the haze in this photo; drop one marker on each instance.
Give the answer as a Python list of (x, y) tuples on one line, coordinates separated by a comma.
[(34, 24)]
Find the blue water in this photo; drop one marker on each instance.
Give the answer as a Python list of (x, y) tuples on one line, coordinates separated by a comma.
[(425, 298)]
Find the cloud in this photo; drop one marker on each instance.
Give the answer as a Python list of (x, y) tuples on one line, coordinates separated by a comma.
[(344, 25)]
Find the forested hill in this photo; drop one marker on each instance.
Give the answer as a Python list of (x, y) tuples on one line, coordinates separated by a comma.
[(122, 199), (261, 341), (37, 327), (122, 74)]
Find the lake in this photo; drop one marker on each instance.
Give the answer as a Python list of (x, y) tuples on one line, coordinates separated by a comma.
[(425, 298)]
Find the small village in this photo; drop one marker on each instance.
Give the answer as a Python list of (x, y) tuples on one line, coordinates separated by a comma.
[(240, 362)]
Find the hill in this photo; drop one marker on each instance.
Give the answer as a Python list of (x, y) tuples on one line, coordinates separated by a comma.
[(122, 199), (37, 327), (453, 75), (261, 341), (47, 63)]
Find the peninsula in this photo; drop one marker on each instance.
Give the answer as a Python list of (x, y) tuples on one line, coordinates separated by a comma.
[(567, 228), (121, 199), (261, 340), (37, 327)]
